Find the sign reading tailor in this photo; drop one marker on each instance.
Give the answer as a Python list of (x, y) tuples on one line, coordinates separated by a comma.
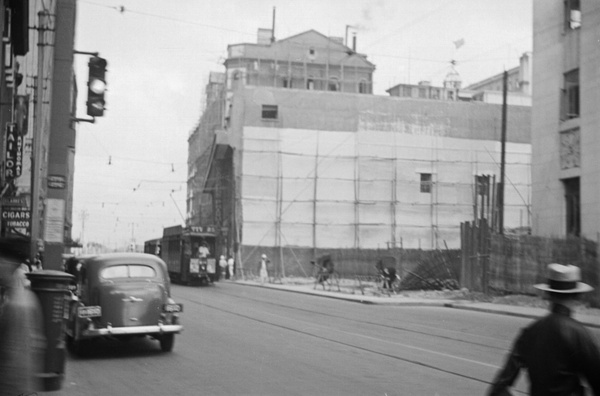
[(17, 220), (14, 153)]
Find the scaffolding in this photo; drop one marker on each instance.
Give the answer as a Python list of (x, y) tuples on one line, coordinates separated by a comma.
[(332, 189)]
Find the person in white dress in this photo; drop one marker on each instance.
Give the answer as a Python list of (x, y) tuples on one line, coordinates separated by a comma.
[(230, 264), (263, 273)]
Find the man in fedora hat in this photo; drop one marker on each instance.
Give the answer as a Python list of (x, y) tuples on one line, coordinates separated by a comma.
[(556, 350)]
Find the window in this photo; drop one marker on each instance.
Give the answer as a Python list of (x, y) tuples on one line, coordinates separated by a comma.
[(572, 14), (334, 84), (269, 112), (483, 185), (570, 97), (128, 271), (426, 183), (573, 206), (362, 87), (287, 82)]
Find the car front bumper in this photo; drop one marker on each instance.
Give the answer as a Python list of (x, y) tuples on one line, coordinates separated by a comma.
[(132, 330)]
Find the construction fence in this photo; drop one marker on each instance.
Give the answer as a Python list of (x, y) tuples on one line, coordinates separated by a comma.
[(418, 269), (494, 263)]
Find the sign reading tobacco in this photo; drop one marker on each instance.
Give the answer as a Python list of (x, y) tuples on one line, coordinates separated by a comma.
[(16, 219), (14, 152)]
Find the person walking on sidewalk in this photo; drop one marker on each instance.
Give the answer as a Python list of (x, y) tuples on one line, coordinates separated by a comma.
[(262, 269), (223, 266), (556, 350), (230, 265)]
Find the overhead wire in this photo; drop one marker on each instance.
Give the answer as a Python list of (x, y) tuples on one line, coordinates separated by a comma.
[(125, 10)]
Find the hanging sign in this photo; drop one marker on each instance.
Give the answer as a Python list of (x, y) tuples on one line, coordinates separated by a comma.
[(14, 153)]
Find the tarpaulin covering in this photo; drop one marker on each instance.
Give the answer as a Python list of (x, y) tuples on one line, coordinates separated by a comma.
[(362, 189)]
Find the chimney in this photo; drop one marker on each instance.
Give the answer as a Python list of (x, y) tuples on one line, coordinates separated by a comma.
[(354, 42), (273, 28), (264, 36)]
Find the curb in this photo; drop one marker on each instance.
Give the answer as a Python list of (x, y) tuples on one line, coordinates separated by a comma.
[(501, 310)]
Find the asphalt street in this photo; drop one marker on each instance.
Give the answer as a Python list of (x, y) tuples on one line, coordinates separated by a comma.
[(241, 340)]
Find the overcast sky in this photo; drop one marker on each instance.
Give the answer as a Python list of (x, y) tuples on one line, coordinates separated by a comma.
[(131, 165)]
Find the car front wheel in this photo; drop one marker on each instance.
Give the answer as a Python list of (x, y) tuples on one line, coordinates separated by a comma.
[(166, 342)]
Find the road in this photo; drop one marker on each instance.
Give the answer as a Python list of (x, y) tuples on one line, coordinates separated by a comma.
[(243, 340)]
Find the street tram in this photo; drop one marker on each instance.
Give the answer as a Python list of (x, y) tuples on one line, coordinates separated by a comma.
[(189, 253)]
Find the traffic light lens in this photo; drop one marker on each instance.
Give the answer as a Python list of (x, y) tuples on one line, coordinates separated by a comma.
[(97, 86)]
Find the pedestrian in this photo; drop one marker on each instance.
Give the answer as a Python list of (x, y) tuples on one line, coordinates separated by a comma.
[(262, 269), (37, 263), (26, 265), (22, 340), (556, 350), (203, 251), (230, 266), (223, 265)]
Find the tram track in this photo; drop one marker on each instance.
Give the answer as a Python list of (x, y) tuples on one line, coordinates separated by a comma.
[(317, 331), (485, 343)]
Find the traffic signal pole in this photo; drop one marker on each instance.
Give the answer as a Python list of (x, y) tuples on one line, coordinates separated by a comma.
[(97, 70), (503, 157)]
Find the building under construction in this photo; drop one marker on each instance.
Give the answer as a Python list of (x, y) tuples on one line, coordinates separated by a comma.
[(315, 166)]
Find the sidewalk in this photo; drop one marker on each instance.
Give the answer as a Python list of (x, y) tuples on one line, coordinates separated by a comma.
[(353, 294)]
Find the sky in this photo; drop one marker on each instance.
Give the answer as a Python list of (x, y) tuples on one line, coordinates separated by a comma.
[(131, 164)]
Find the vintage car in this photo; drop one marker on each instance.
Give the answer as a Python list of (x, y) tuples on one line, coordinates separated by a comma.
[(121, 295)]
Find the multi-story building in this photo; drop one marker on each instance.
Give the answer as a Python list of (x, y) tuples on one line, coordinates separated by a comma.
[(488, 90), (306, 61), (565, 118), (336, 169), (36, 124)]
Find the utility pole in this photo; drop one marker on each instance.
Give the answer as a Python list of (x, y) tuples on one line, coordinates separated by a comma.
[(503, 157), (84, 215), (38, 134)]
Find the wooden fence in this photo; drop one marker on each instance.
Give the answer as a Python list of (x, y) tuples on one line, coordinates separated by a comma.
[(475, 258), (514, 263)]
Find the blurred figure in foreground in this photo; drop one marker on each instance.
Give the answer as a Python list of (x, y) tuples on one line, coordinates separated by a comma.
[(556, 350), (22, 342)]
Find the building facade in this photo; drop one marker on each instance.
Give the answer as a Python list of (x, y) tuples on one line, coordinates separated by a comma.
[(306, 61), (332, 169), (38, 135), (565, 119)]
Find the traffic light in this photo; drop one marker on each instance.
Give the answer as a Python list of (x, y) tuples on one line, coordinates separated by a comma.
[(96, 86)]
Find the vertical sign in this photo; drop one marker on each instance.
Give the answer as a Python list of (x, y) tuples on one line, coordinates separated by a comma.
[(55, 221), (22, 114), (14, 153)]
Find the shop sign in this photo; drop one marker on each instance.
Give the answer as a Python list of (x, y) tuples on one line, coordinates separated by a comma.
[(56, 181), (16, 220), (13, 164), (207, 229)]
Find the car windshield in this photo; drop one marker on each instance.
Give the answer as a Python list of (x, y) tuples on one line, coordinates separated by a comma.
[(128, 271)]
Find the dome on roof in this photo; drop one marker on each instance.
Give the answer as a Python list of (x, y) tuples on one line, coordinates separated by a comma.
[(452, 79)]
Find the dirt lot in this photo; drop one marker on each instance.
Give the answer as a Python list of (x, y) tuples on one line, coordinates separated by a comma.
[(373, 288)]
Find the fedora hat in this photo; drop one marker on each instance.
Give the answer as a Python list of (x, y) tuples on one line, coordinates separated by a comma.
[(564, 279)]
